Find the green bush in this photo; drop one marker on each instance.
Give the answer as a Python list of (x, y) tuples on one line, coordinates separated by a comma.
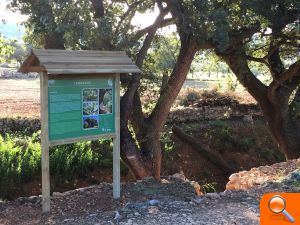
[(74, 160), (17, 163), (20, 161)]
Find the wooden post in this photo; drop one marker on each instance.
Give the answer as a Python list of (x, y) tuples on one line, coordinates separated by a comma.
[(45, 142), (116, 149)]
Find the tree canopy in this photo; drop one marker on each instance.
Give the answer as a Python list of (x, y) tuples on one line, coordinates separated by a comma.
[(241, 33)]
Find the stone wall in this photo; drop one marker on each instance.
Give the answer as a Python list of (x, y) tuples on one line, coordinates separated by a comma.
[(13, 74), (206, 112), (19, 125), (187, 114)]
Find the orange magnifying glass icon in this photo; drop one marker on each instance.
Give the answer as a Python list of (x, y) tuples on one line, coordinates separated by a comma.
[(277, 205)]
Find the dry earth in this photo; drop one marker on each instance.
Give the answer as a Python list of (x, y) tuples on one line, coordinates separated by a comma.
[(19, 97), (151, 202)]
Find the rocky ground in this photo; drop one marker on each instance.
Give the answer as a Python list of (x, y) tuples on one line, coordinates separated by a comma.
[(172, 201)]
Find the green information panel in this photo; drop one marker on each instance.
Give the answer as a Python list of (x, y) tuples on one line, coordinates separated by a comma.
[(80, 107)]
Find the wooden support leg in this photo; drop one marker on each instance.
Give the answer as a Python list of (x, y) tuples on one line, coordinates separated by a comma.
[(116, 153), (45, 179), (116, 168), (45, 143)]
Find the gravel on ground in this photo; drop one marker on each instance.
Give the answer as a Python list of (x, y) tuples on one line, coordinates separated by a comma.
[(149, 202)]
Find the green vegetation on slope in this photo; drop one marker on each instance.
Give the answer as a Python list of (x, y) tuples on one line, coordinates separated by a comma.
[(20, 160)]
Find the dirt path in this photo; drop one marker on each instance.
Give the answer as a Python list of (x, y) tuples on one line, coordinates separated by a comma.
[(19, 97), (148, 203), (172, 203)]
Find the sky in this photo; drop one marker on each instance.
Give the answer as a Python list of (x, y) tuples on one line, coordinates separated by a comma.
[(11, 28)]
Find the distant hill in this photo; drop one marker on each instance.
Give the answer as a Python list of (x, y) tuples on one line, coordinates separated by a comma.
[(12, 31)]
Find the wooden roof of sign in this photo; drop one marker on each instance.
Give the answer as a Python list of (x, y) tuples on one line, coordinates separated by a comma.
[(78, 62)]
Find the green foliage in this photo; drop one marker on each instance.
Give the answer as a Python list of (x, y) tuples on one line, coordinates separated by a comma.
[(6, 49), (271, 155), (208, 21), (158, 66), (166, 142), (213, 68), (163, 55), (209, 187), (72, 160), (231, 82), (75, 23), (11, 50), (20, 161), (226, 138)]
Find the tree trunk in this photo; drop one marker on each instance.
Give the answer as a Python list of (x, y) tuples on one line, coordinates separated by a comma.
[(54, 41), (130, 154), (138, 157), (285, 130), (167, 97), (273, 99), (144, 159)]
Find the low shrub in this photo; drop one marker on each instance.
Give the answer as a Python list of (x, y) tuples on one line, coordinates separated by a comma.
[(17, 163), (20, 161)]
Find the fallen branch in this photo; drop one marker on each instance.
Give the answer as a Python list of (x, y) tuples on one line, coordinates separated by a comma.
[(203, 150)]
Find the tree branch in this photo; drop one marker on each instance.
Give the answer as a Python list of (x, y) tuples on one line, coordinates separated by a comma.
[(129, 148), (236, 59), (128, 11), (203, 150), (175, 82), (275, 63), (131, 92), (146, 30), (289, 79), (98, 8), (139, 62), (254, 59)]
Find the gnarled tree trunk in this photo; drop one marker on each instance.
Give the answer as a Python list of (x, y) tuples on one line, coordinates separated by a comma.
[(286, 131), (284, 127), (273, 99), (144, 159)]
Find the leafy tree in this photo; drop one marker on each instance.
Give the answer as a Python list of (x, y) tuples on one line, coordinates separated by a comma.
[(228, 27), (97, 24), (262, 31), (6, 50), (19, 53)]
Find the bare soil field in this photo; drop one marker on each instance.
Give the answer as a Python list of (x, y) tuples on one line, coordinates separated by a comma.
[(19, 97)]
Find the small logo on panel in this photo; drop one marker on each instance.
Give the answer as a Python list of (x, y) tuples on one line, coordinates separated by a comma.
[(110, 82)]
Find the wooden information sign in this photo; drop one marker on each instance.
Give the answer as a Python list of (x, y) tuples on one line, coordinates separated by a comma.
[(80, 100)]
